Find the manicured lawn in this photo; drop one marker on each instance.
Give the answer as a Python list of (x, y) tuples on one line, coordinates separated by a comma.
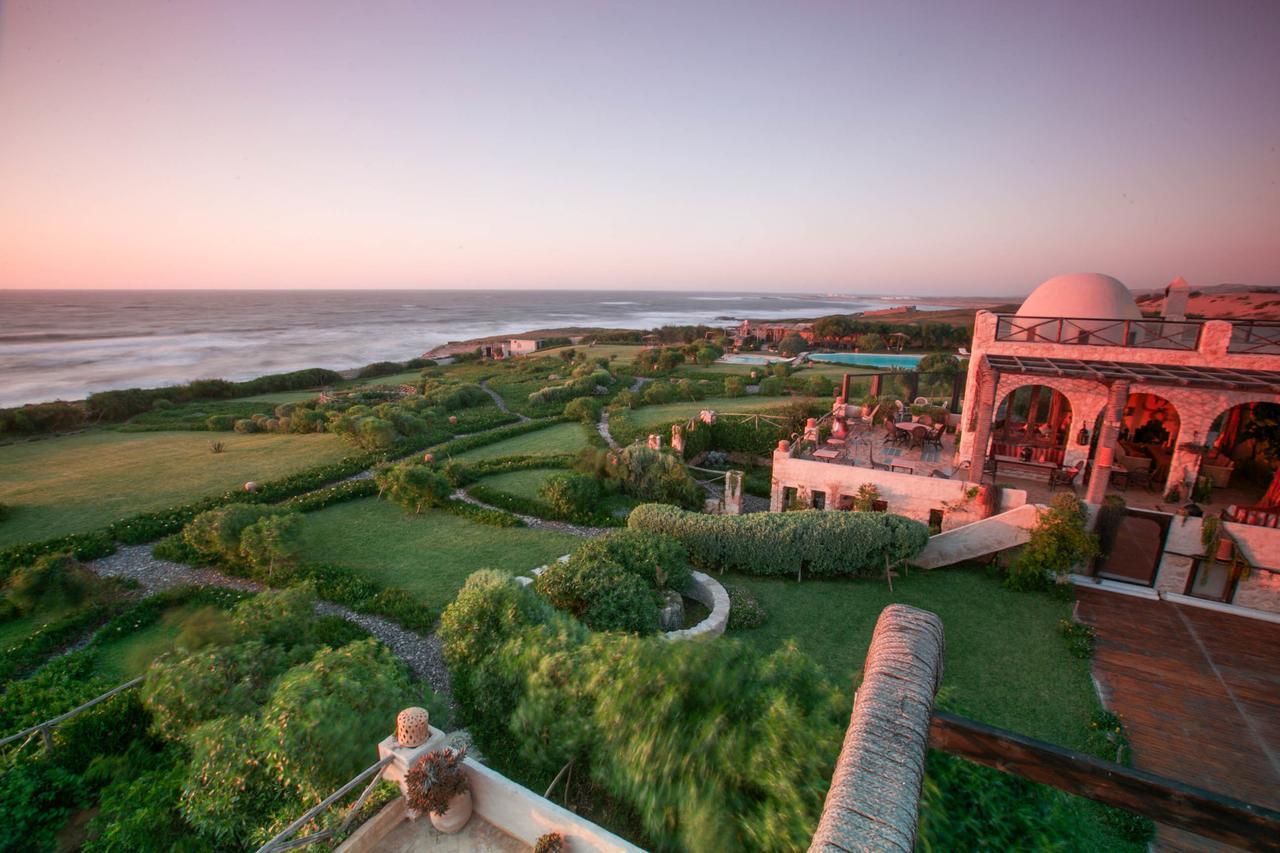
[(431, 554), (647, 416), (408, 376), (618, 352), (524, 484), (1006, 662), (560, 438), (81, 482)]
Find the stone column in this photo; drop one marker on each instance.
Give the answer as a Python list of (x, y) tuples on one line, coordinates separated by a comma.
[(655, 441), (981, 426), (1055, 412), (1102, 459), (733, 493), (777, 491), (677, 438)]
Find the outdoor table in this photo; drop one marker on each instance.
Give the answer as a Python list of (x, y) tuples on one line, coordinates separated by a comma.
[(827, 453), (916, 431)]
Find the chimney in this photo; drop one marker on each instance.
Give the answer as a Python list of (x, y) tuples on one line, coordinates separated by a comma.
[(1175, 299)]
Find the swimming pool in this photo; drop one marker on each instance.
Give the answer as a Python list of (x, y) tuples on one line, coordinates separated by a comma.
[(752, 359), (865, 359)]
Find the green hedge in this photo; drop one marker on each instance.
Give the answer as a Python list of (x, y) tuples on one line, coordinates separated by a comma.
[(807, 542), (465, 473), (83, 546), (493, 436)]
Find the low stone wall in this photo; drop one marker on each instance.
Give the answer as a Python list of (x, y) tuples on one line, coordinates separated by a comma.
[(707, 590), (909, 495), (1259, 545)]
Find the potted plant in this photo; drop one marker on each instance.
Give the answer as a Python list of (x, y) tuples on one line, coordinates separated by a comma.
[(437, 784), (551, 842)]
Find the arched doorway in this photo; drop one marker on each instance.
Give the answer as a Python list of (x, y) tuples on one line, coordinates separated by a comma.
[(1149, 435), (1032, 424), (1240, 458)]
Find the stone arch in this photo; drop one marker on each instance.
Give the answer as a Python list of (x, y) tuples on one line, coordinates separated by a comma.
[(1086, 398)]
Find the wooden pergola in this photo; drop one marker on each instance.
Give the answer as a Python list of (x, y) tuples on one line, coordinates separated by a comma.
[(1183, 376)]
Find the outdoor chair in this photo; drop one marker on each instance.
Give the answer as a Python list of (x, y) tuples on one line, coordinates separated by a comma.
[(934, 436), (1064, 477)]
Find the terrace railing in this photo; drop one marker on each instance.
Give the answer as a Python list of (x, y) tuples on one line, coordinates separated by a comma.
[(1254, 336), (1155, 333)]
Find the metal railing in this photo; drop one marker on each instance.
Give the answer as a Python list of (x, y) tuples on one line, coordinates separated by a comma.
[(1254, 337), (1155, 333)]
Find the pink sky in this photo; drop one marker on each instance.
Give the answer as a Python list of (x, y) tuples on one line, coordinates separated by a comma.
[(896, 147)]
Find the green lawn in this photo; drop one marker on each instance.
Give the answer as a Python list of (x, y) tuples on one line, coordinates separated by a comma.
[(524, 484), (1006, 662), (666, 413), (560, 438), (82, 482), (618, 352), (430, 554), (129, 656)]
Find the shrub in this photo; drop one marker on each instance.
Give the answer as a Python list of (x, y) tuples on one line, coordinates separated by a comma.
[(272, 541), (654, 475), (661, 561), (745, 610), (379, 368), (734, 386), (792, 345), (570, 495), (1058, 541), (601, 594), (585, 409), (656, 393), (413, 485), (83, 546), (217, 532), (771, 386), (812, 542), (51, 583)]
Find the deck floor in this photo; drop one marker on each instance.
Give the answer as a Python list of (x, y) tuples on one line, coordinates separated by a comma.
[(1198, 691)]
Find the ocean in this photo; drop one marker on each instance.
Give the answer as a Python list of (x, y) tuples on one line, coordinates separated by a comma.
[(68, 344)]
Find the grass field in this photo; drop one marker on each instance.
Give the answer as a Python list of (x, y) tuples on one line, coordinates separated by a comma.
[(431, 554), (129, 656), (620, 352), (524, 484), (1006, 662), (81, 482), (560, 438), (280, 397), (648, 416)]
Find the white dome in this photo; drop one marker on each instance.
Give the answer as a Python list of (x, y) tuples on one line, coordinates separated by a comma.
[(1081, 294)]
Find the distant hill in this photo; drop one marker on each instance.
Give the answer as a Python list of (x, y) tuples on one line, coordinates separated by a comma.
[(1223, 301)]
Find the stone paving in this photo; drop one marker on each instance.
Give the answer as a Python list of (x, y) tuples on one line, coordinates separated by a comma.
[(478, 836)]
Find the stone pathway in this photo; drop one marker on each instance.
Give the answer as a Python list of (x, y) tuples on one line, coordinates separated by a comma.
[(501, 403), (602, 425), (535, 522), (136, 562)]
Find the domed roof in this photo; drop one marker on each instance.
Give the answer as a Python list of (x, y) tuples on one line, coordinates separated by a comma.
[(1081, 294)]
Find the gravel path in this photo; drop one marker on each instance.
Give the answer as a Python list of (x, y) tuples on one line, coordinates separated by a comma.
[(602, 427), (538, 523), (501, 403), (136, 562)]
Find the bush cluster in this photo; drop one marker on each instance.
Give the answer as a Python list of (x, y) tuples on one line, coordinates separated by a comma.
[(114, 406), (806, 542), (613, 583), (536, 690), (650, 475), (1058, 542)]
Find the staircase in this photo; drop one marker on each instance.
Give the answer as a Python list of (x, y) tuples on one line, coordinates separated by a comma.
[(991, 535)]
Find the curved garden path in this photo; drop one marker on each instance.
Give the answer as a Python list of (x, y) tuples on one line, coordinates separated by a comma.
[(136, 562), (602, 425), (501, 403)]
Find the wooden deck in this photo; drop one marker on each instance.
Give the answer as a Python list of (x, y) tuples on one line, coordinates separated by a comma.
[(1198, 691)]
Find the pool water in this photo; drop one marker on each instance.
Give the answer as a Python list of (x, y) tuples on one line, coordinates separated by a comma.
[(752, 359), (867, 359)]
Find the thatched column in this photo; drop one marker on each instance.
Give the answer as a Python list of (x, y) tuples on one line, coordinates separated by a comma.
[(874, 798)]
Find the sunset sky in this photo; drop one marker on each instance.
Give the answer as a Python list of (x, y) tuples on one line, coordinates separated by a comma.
[(932, 148)]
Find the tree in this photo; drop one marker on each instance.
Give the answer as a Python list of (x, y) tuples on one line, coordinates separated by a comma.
[(939, 362), (871, 342), (583, 409), (734, 387), (273, 541), (570, 495), (792, 345), (708, 354), (1058, 541)]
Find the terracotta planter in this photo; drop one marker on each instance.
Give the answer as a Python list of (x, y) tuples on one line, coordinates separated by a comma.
[(455, 816), (1224, 549)]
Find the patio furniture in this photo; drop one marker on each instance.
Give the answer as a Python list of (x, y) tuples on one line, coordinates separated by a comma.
[(1064, 477), (1217, 468), (902, 469), (934, 436), (911, 434), (940, 474), (1258, 516), (826, 454)]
